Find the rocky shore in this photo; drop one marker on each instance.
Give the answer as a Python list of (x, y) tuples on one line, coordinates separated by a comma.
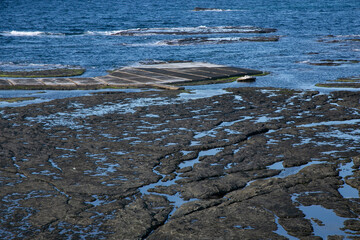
[(249, 163)]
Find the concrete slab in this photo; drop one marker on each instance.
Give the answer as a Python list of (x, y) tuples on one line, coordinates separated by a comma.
[(190, 71), (87, 82), (170, 72), (156, 75), (4, 82), (107, 78), (57, 82), (139, 72), (133, 77), (153, 75), (161, 76), (177, 65), (206, 74), (25, 82), (216, 71), (168, 87), (175, 80), (120, 82), (240, 71)]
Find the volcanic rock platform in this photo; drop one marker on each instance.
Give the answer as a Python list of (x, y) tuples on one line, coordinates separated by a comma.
[(160, 75)]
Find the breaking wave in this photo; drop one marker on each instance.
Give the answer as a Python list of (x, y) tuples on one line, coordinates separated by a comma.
[(27, 33)]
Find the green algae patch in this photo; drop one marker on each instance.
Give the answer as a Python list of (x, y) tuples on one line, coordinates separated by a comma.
[(261, 74), (350, 82), (338, 85), (59, 72), (18, 99)]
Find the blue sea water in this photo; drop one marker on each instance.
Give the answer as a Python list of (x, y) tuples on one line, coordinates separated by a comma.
[(41, 34), (53, 33)]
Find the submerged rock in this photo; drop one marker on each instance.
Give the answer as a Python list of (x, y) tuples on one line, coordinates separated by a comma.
[(194, 30), (220, 40), (329, 62), (351, 82), (340, 39), (209, 9)]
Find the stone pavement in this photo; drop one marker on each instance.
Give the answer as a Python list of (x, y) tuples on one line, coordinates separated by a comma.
[(153, 75)]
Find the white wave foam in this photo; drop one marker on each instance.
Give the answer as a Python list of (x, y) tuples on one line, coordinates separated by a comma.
[(347, 36), (305, 61), (215, 10), (215, 40), (203, 40), (106, 33), (15, 33), (22, 33)]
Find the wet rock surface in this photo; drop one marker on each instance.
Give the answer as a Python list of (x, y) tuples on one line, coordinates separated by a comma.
[(331, 62), (351, 82), (197, 9), (59, 72), (194, 30), (219, 40), (248, 164), (347, 39)]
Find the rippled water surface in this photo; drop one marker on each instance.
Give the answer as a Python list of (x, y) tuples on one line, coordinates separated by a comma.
[(103, 35)]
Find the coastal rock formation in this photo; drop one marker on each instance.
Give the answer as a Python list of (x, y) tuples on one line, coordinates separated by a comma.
[(351, 82), (58, 72), (193, 30), (219, 40), (331, 62), (198, 9), (245, 163), (340, 39)]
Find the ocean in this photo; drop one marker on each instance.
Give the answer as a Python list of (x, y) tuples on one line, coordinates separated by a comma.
[(110, 140), (105, 35)]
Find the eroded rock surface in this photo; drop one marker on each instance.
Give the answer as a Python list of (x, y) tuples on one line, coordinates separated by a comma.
[(247, 164)]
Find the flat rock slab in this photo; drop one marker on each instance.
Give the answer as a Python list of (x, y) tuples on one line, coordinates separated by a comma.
[(58, 82), (140, 76), (181, 65), (4, 82), (152, 75), (120, 83), (174, 73), (87, 81), (108, 78), (133, 77), (25, 82)]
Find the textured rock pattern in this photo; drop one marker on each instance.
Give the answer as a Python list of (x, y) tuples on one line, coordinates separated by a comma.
[(247, 165)]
